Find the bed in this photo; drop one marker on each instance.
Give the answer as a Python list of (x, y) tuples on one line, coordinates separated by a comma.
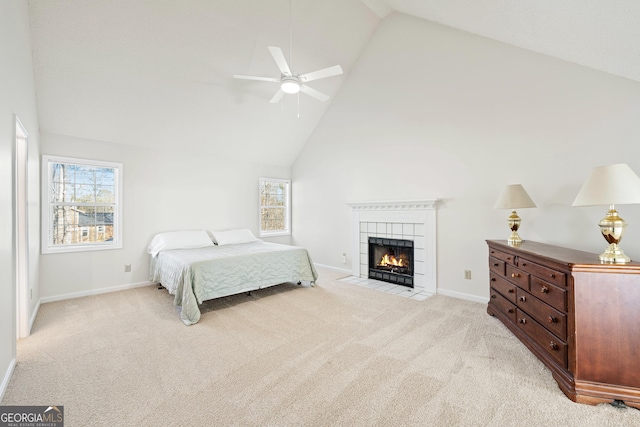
[(197, 269)]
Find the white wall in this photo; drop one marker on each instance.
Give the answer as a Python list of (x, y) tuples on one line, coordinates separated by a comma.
[(17, 99), (446, 114), (162, 191)]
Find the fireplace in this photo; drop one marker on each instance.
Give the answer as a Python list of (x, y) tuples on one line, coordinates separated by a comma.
[(413, 220), (391, 260)]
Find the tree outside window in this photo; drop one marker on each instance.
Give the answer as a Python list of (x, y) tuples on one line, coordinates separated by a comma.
[(83, 205), (275, 207)]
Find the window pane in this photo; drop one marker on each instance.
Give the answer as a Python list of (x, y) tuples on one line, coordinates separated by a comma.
[(273, 194), (105, 194), (84, 193), (273, 219), (62, 192), (85, 174), (65, 234), (72, 225)]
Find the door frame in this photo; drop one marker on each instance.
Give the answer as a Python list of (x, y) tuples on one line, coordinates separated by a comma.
[(21, 238)]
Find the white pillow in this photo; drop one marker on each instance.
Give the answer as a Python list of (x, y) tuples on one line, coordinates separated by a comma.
[(233, 237), (179, 240)]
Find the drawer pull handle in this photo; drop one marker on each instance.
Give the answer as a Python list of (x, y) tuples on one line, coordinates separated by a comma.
[(523, 298), (553, 276), (508, 257), (544, 290), (510, 310), (493, 295), (514, 275), (493, 279), (495, 264), (553, 346), (511, 291), (524, 264), (523, 321), (552, 319)]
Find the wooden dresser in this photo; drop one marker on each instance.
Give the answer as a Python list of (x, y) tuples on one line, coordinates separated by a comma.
[(579, 317)]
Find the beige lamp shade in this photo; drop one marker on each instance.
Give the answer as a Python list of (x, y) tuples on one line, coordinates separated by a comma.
[(610, 185), (514, 197)]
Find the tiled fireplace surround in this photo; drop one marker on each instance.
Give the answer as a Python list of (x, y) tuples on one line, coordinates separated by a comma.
[(409, 220)]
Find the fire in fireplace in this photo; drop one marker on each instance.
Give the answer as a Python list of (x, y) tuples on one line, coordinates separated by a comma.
[(391, 260)]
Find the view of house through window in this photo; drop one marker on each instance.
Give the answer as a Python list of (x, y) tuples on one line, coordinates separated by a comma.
[(275, 207), (83, 204)]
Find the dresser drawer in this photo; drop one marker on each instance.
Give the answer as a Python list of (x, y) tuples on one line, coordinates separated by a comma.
[(545, 339), (508, 258), (508, 290), (552, 276), (552, 320), (552, 295), (496, 265), (517, 276), (502, 305)]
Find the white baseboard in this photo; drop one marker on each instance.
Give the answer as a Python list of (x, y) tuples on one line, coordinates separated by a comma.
[(95, 292), (339, 270), (461, 295), (7, 378)]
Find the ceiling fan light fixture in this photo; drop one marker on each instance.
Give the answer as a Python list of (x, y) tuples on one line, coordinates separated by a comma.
[(290, 85)]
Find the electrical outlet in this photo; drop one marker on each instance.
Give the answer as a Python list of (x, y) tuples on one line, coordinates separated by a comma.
[(127, 268), (467, 274), (344, 258)]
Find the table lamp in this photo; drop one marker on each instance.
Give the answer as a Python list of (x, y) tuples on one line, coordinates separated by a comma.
[(514, 197), (611, 185)]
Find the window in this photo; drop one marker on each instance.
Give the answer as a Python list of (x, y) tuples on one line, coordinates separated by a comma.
[(82, 207), (275, 207)]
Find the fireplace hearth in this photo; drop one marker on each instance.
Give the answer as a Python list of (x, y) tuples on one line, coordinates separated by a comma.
[(391, 260)]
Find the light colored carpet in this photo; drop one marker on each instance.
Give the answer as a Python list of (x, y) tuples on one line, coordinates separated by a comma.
[(331, 355)]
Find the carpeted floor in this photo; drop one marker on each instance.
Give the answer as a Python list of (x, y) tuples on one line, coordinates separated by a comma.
[(331, 355)]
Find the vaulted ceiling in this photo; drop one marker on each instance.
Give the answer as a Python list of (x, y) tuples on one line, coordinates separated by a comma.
[(158, 73)]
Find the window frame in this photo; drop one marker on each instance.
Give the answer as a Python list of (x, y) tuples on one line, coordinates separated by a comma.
[(287, 230), (47, 213)]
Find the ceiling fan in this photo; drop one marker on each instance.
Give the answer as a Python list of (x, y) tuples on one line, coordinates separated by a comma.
[(290, 82), (293, 83)]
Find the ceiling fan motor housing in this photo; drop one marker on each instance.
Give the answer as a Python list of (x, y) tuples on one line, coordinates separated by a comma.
[(290, 84)]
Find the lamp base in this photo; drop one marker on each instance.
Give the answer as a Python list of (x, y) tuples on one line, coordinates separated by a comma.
[(514, 239), (612, 228), (614, 255), (514, 225)]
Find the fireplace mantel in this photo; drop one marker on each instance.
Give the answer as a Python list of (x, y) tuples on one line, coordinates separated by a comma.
[(396, 205), (408, 219)]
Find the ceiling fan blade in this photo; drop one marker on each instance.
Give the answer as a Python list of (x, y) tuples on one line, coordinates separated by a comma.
[(277, 97), (314, 93), (264, 79), (278, 56), (321, 74)]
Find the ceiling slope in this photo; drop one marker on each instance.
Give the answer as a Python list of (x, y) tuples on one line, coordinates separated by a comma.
[(158, 73), (604, 35)]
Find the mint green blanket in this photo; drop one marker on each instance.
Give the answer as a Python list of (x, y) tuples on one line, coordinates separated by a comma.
[(197, 275)]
